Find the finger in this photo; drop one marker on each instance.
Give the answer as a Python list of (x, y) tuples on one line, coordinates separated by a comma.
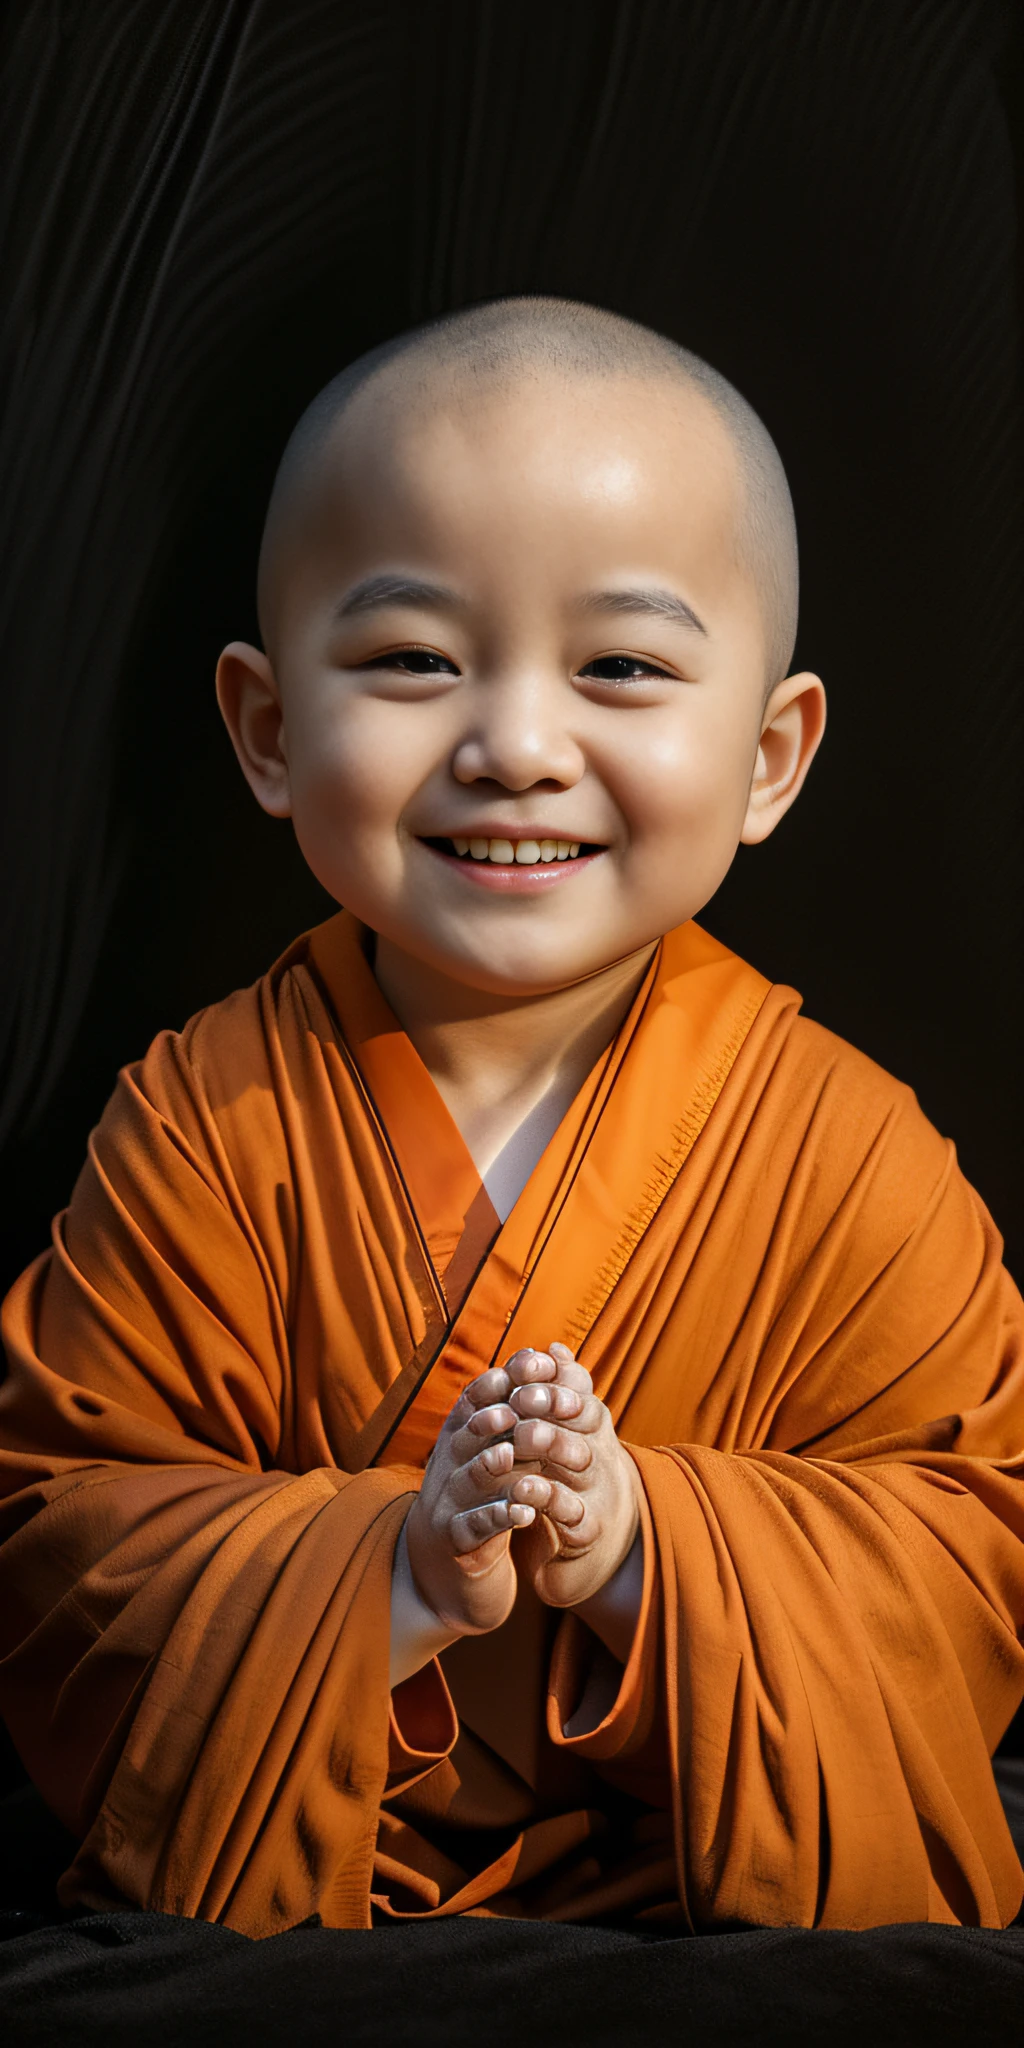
[(569, 1372), (533, 1490), (558, 1403), (549, 1399), (550, 1445), (490, 1518), (471, 1487), (475, 1564), (526, 1366), (567, 1511), (488, 1476), (577, 1377), (466, 1442), (493, 1385)]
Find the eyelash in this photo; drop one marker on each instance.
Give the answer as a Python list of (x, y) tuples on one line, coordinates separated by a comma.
[(402, 654), (633, 661), (400, 657)]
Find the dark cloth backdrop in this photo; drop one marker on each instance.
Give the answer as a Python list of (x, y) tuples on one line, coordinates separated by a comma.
[(215, 203), (212, 205)]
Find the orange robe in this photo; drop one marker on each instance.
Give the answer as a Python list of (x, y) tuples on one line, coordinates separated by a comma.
[(277, 1271)]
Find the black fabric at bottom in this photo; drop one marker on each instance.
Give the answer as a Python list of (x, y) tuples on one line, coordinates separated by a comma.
[(125, 1978)]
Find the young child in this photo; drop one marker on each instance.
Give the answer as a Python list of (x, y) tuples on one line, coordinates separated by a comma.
[(512, 1284)]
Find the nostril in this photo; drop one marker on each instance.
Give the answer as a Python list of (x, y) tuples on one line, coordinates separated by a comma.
[(87, 1404)]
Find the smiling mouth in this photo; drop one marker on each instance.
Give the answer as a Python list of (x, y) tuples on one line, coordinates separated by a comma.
[(525, 853)]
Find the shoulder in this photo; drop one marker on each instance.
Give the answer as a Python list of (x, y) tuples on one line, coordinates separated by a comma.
[(825, 1065), (228, 1066), (806, 1078), (856, 1134), (849, 1081), (882, 1254)]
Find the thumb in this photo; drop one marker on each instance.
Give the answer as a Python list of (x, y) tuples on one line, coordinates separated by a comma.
[(537, 1546), (477, 1563)]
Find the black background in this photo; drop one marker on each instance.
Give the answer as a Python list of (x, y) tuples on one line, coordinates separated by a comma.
[(215, 206)]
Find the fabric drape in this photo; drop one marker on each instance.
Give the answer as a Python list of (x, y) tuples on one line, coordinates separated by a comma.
[(794, 1306), (211, 205)]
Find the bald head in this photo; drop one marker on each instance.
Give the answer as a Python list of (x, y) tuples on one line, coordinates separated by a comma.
[(511, 339)]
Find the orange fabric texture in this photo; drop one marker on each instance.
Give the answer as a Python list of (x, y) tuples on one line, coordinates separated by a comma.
[(277, 1271)]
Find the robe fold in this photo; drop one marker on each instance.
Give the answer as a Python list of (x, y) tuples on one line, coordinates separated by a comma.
[(278, 1270)]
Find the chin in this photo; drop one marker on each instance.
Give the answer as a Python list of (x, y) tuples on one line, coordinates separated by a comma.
[(508, 971), (533, 978)]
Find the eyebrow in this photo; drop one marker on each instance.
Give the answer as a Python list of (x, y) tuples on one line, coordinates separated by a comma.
[(374, 592), (652, 604)]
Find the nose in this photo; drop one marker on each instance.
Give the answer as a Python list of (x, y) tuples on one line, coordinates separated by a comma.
[(519, 735)]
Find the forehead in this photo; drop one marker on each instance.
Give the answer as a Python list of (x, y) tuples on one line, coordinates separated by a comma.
[(567, 460)]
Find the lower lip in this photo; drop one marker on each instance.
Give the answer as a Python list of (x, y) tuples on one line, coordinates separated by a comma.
[(514, 880)]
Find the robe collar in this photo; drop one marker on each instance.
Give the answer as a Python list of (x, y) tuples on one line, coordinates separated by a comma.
[(553, 1264)]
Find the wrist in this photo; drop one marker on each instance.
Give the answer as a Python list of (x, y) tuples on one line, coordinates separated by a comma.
[(613, 1611), (418, 1633), (631, 1525)]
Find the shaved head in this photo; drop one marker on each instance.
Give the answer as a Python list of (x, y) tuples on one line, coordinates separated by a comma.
[(527, 338)]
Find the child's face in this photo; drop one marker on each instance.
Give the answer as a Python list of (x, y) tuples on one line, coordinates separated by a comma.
[(520, 616)]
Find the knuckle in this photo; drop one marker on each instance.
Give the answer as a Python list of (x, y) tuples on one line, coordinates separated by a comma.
[(571, 1452), (518, 1364), (567, 1507)]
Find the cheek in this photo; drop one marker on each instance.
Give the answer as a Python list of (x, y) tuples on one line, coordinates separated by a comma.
[(350, 783), (680, 787), (354, 765)]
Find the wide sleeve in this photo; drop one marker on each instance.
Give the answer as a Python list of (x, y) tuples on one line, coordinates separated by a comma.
[(192, 1659), (842, 1603)]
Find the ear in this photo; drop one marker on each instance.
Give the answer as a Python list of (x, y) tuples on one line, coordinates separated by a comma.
[(794, 721), (251, 709)]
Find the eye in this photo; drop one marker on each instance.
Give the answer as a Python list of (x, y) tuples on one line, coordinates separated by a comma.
[(621, 668), (416, 661)]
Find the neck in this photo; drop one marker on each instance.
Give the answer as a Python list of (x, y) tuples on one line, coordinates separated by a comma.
[(500, 1060)]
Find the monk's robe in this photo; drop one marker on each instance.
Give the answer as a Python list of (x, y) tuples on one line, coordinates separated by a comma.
[(277, 1272)]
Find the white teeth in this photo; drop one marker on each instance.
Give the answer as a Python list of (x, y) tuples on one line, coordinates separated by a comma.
[(525, 852)]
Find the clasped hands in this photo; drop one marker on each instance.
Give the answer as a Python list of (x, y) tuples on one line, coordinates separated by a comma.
[(529, 1450)]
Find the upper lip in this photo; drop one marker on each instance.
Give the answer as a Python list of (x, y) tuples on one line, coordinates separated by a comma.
[(491, 831)]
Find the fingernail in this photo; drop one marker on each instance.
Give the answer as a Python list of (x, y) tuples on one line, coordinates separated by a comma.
[(487, 1420), (532, 1484)]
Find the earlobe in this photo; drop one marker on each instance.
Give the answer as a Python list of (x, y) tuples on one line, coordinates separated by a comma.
[(250, 706), (790, 737)]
